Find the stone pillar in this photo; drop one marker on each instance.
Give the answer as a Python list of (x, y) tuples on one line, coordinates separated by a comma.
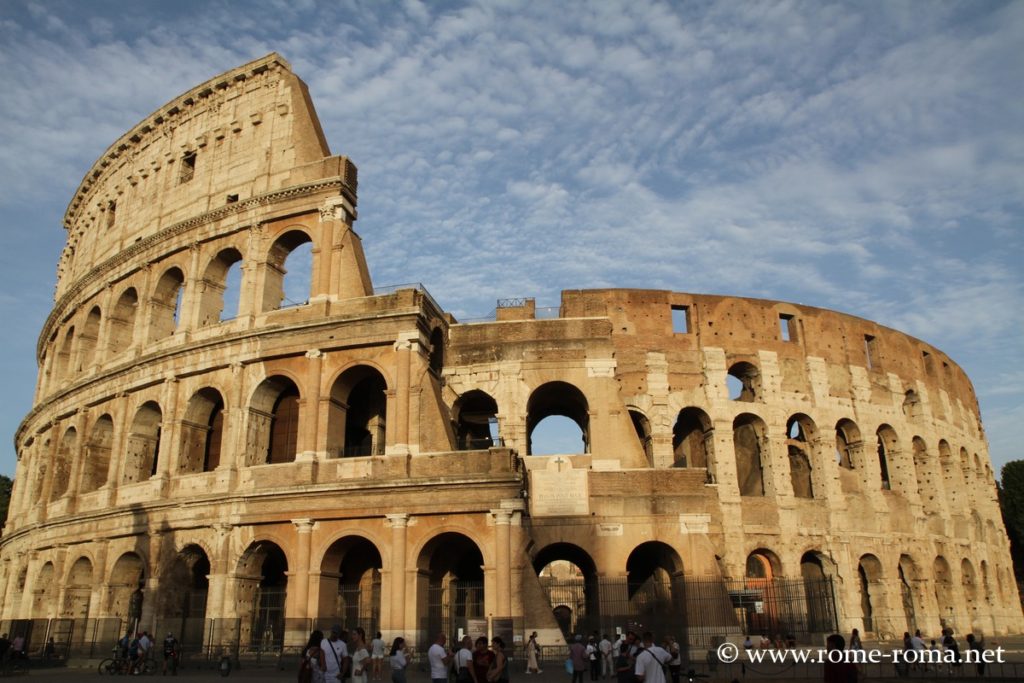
[(152, 589), (399, 524), (233, 456), (171, 421), (304, 529), (217, 592), (311, 412), (403, 349), (502, 555)]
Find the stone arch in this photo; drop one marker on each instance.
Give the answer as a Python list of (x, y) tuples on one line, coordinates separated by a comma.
[(965, 466), (888, 449), (184, 586), (165, 304), (278, 281), (44, 596), (450, 582), (817, 571), (655, 585), (870, 575), (848, 444), (215, 287), (357, 417), (693, 437), (202, 432), (762, 564), (261, 587), (64, 355), (475, 414), (744, 382), (568, 576), (908, 575), (557, 399), (77, 589), (88, 339), (350, 583), (943, 582), (62, 464), (970, 583), (142, 449), (642, 428), (96, 465), (749, 441), (800, 434), (125, 589), (121, 323), (273, 421), (760, 571)]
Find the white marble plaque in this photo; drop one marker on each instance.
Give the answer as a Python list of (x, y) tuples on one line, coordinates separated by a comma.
[(559, 491), (694, 524), (609, 529)]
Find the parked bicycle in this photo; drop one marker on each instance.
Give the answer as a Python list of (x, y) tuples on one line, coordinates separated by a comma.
[(118, 665)]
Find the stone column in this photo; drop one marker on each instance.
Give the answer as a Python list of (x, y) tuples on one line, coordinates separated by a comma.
[(403, 349), (311, 414), (399, 524), (152, 589), (217, 593), (171, 421), (502, 555), (304, 529)]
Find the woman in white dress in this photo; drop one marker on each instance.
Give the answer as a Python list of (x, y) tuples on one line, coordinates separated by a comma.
[(360, 657)]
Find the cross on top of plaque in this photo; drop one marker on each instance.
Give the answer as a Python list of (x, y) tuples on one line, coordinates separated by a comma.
[(560, 461)]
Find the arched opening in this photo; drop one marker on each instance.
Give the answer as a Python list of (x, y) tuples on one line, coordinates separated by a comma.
[(557, 400), (357, 421), (954, 482), (869, 574), (965, 467), (261, 586), (800, 432), (760, 600), (96, 465), (350, 583), (45, 594), (437, 351), (748, 438), (744, 382), (943, 582), (77, 590), (911, 405), (64, 356), (656, 587), (568, 576), (166, 304), (87, 341), (476, 421), (887, 448), (220, 288), (907, 571), (818, 593), (202, 432), (986, 585), (273, 422), (692, 438), (125, 592), (450, 584), (143, 446), (642, 427), (62, 465), (847, 443), (289, 271), (970, 583), (121, 323), (925, 482), (183, 591)]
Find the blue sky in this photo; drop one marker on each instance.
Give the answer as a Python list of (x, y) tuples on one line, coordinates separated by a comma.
[(865, 157)]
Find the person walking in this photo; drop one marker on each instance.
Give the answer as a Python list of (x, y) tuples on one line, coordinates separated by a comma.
[(533, 655), (398, 659), (377, 657), (312, 666)]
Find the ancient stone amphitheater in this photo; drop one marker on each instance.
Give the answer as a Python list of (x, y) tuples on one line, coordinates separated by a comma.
[(208, 457)]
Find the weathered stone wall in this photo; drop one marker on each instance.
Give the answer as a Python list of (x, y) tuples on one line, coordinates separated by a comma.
[(367, 441)]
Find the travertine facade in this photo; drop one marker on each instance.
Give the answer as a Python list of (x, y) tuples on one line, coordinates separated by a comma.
[(337, 458)]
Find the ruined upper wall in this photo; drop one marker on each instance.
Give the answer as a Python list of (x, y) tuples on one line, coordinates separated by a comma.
[(247, 132)]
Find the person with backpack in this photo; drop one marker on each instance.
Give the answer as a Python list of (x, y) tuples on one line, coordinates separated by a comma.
[(651, 661)]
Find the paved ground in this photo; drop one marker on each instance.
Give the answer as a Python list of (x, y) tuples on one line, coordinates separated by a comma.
[(554, 672)]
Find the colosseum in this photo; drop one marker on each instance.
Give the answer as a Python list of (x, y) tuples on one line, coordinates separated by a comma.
[(208, 457)]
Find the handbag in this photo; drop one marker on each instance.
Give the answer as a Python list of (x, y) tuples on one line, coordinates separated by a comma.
[(568, 666)]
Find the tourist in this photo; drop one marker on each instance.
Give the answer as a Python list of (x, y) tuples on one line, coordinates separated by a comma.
[(650, 661), (498, 673), (398, 660), (578, 658), (335, 654), (607, 664), (975, 645), (439, 657), (483, 659), (593, 658), (312, 667), (171, 652), (533, 655), (624, 664), (463, 663), (839, 671), (360, 657), (377, 657), (675, 662)]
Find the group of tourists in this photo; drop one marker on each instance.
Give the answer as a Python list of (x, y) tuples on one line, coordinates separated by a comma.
[(133, 652), (347, 656), (629, 658), (472, 662)]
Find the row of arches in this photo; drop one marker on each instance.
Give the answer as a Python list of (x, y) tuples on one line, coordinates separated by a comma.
[(356, 427), (138, 315)]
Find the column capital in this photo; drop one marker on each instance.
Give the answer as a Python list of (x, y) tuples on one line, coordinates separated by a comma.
[(314, 353), (304, 526), (502, 517), (397, 520)]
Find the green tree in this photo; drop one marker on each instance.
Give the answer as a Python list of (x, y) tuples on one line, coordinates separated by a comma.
[(1011, 501), (6, 483)]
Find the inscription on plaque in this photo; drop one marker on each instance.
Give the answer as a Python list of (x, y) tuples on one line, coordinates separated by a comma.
[(694, 524), (559, 490)]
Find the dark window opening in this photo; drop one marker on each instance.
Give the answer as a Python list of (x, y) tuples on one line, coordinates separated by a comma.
[(744, 382), (787, 327), (111, 214), (284, 427), (232, 198), (188, 168), (870, 351)]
